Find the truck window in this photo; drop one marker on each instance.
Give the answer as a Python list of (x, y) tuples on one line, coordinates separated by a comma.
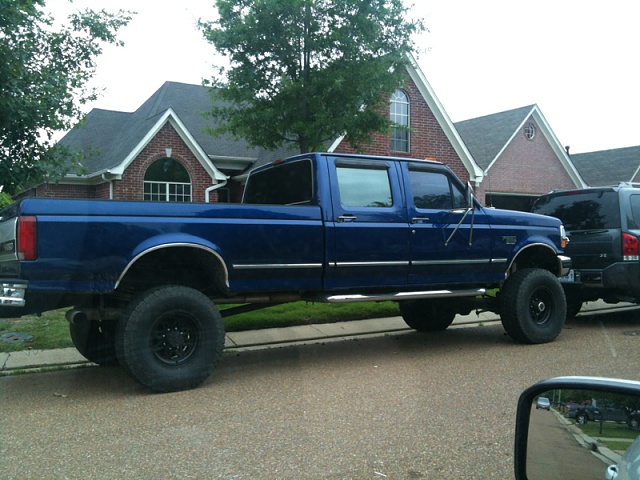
[(364, 187), (284, 184), (434, 191)]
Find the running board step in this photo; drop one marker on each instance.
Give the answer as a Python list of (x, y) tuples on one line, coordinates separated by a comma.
[(400, 296)]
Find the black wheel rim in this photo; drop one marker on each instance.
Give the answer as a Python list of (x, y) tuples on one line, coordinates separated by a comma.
[(174, 338), (541, 306)]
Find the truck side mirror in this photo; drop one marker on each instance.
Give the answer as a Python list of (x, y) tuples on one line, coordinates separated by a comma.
[(578, 428)]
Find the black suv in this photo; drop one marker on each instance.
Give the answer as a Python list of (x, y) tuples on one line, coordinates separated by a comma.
[(603, 224)]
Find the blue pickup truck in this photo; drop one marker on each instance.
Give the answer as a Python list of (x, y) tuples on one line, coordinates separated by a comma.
[(142, 280)]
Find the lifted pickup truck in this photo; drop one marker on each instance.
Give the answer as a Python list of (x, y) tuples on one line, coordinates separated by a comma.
[(142, 279)]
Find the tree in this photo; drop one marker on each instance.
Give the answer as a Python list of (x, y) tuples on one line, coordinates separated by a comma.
[(44, 70), (307, 71)]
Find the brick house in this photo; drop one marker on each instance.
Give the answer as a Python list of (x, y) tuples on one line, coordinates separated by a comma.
[(520, 156), (161, 151)]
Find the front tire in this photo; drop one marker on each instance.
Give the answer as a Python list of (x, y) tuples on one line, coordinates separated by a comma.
[(533, 306), (170, 338), (427, 315)]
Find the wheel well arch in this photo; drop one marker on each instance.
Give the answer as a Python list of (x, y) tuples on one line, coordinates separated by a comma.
[(190, 265), (538, 255)]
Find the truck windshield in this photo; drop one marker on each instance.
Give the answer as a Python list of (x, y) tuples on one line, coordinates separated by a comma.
[(591, 210), (284, 184)]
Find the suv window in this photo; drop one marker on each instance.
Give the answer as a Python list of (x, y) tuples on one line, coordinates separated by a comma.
[(593, 210), (634, 201)]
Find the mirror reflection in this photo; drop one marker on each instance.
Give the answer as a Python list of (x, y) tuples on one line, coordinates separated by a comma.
[(584, 434)]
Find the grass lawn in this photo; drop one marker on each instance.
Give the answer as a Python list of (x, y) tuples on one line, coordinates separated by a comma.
[(51, 330), (609, 430)]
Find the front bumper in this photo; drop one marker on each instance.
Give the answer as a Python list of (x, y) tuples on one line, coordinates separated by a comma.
[(564, 265)]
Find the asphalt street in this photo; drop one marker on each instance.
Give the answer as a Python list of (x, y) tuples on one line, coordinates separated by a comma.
[(404, 405)]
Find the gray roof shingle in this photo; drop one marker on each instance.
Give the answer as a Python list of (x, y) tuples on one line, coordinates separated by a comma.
[(608, 167), (486, 136), (109, 136)]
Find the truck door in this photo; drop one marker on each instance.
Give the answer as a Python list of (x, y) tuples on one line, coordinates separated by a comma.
[(367, 237), (449, 243)]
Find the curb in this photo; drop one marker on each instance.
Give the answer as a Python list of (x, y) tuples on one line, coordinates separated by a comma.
[(39, 360)]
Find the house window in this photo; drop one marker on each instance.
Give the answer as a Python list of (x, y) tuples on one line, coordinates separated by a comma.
[(399, 122), (166, 180), (530, 131)]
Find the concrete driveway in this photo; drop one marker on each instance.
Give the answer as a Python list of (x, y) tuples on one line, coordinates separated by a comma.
[(404, 405)]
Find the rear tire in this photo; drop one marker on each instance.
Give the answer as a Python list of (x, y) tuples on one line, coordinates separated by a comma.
[(533, 306), (170, 338), (427, 315)]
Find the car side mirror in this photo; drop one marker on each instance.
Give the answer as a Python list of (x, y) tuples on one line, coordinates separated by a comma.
[(578, 428)]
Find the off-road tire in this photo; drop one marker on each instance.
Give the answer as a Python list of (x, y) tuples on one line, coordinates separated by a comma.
[(427, 315), (170, 338), (533, 306), (95, 341)]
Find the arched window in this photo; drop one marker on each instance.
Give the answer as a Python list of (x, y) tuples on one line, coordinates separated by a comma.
[(166, 180), (399, 122)]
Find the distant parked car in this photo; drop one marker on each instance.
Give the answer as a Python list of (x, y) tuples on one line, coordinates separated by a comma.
[(544, 403), (608, 413)]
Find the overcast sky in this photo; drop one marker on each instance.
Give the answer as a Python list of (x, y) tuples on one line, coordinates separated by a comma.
[(577, 60)]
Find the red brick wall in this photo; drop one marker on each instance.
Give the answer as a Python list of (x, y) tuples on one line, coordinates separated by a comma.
[(427, 139), (52, 190), (131, 185), (527, 167)]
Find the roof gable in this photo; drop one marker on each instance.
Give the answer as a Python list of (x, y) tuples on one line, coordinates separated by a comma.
[(488, 136), (112, 139)]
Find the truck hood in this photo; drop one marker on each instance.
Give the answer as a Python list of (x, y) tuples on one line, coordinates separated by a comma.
[(497, 216)]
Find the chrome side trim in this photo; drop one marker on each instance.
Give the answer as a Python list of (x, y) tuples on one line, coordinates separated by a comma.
[(265, 266), (400, 296), (171, 245), (403, 263), (452, 262)]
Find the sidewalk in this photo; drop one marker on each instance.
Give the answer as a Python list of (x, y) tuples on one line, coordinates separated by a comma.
[(256, 339)]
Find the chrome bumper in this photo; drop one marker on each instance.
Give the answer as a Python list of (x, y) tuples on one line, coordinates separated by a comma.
[(564, 265), (12, 293)]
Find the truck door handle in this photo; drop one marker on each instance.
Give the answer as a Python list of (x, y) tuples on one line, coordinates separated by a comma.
[(419, 219), (347, 218)]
